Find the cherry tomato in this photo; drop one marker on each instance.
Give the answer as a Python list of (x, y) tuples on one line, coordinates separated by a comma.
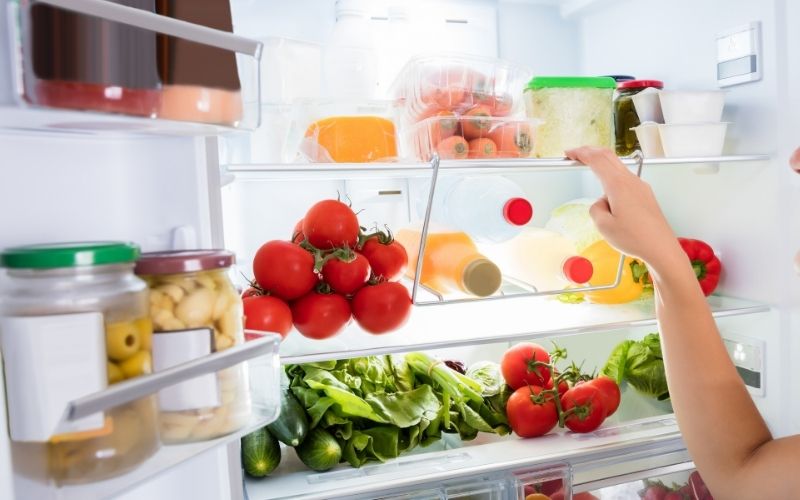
[(320, 316), (587, 407), (297, 233), (387, 260), (331, 224), (529, 417), (267, 314), (346, 277), (284, 269), (610, 392), (517, 365), (382, 308), (251, 292)]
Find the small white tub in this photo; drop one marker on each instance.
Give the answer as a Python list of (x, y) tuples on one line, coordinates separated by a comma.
[(693, 140), (692, 106), (649, 139), (648, 105)]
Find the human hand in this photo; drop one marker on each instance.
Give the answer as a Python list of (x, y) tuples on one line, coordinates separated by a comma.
[(628, 215), (794, 160)]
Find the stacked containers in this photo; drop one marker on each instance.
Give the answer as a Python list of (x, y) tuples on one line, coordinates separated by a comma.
[(462, 107), (574, 111), (196, 311), (625, 116)]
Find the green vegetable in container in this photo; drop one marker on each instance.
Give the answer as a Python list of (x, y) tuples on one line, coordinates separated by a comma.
[(261, 453), (319, 450), (488, 374), (641, 364)]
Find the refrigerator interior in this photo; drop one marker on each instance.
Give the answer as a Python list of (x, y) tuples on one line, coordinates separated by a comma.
[(167, 192)]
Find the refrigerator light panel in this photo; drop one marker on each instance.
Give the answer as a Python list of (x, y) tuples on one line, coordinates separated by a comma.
[(739, 55), (748, 357)]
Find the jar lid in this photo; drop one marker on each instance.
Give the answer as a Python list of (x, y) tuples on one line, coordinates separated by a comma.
[(641, 84), (596, 82), (183, 261), (621, 78), (55, 255)]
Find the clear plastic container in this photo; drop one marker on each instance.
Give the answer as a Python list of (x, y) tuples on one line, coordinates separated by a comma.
[(575, 111), (195, 311), (686, 485), (552, 482), (75, 320), (626, 115)]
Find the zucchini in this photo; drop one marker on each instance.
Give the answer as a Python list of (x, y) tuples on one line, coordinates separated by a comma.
[(261, 453), (319, 450), (291, 425)]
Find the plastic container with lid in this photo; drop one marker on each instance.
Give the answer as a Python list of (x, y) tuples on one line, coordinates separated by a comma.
[(575, 111), (625, 115), (73, 320), (196, 311)]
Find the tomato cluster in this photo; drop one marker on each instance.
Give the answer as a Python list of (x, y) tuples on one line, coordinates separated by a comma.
[(329, 272), (544, 397)]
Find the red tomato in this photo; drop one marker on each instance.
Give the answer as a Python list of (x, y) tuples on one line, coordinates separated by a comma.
[(346, 277), (610, 392), (387, 260), (382, 308), (673, 495), (267, 314), (655, 492), (331, 224), (563, 386), (475, 123), (529, 418), (514, 140), (586, 406), (284, 269), (251, 292), (320, 316), (297, 233), (517, 365)]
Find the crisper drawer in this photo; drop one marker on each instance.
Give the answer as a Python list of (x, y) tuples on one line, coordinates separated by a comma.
[(488, 487), (673, 482)]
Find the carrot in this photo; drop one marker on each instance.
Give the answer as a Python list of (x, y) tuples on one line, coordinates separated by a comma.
[(442, 126), (453, 148), (498, 104), (482, 148), (475, 123), (514, 139), (445, 87)]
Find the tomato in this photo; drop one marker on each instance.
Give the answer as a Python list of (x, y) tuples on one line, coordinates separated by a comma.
[(563, 386), (320, 316), (284, 269), (475, 123), (530, 418), (517, 368), (388, 261), (655, 492), (297, 233), (382, 308), (251, 292), (346, 277), (331, 224), (673, 495), (586, 408), (610, 392), (267, 314)]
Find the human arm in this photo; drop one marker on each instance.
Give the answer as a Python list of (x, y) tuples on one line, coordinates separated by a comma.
[(724, 432)]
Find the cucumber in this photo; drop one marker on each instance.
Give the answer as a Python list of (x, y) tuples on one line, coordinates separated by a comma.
[(291, 426), (261, 453), (319, 450)]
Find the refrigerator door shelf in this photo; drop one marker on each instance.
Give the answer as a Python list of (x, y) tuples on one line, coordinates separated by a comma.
[(261, 363)]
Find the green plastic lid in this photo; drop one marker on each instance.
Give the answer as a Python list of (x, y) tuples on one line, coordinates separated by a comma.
[(57, 255), (572, 82)]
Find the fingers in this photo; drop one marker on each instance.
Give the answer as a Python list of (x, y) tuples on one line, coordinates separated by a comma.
[(601, 214), (603, 162)]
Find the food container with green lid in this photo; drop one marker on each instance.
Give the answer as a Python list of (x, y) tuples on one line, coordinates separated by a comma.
[(574, 111), (73, 320)]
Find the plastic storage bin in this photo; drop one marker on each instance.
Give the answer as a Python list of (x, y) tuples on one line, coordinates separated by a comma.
[(687, 485), (702, 139), (649, 139), (575, 111), (692, 106), (196, 311), (75, 320), (626, 116)]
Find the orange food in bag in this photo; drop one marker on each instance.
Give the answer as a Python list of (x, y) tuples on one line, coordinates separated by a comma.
[(350, 139)]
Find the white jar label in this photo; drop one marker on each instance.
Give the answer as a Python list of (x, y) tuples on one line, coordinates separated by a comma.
[(50, 361), (173, 348)]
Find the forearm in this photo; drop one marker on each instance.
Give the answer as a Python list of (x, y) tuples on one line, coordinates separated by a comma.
[(720, 424)]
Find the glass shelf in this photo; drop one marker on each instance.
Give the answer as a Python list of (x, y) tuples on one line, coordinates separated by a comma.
[(484, 322)]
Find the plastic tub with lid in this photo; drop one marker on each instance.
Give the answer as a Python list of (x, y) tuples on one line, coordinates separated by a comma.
[(196, 311), (625, 113), (574, 111), (74, 320)]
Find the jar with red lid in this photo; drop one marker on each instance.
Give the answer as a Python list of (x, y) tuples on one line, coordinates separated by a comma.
[(625, 117), (196, 311)]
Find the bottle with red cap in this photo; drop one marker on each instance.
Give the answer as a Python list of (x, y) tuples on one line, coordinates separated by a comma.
[(490, 209)]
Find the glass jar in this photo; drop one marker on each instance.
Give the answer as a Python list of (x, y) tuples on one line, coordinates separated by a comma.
[(195, 311), (73, 320), (625, 117), (575, 111)]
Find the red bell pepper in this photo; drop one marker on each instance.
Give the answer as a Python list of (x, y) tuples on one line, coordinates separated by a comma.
[(706, 265)]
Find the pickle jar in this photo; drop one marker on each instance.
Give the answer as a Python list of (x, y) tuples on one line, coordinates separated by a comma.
[(625, 116), (196, 311), (74, 319)]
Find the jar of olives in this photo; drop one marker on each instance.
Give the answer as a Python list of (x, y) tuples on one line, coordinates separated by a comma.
[(73, 320), (195, 311), (625, 116)]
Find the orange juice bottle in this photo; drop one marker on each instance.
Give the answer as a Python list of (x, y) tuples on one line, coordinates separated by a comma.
[(451, 262)]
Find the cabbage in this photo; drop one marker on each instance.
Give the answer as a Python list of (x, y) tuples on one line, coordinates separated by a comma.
[(641, 365), (572, 220)]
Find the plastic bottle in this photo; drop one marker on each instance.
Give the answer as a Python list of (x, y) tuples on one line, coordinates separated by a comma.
[(451, 262), (491, 209), (541, 258), (350, 66)]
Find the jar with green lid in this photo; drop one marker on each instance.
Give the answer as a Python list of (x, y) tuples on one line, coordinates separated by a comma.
[(74, 320), (574, 111), (625, 116)]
